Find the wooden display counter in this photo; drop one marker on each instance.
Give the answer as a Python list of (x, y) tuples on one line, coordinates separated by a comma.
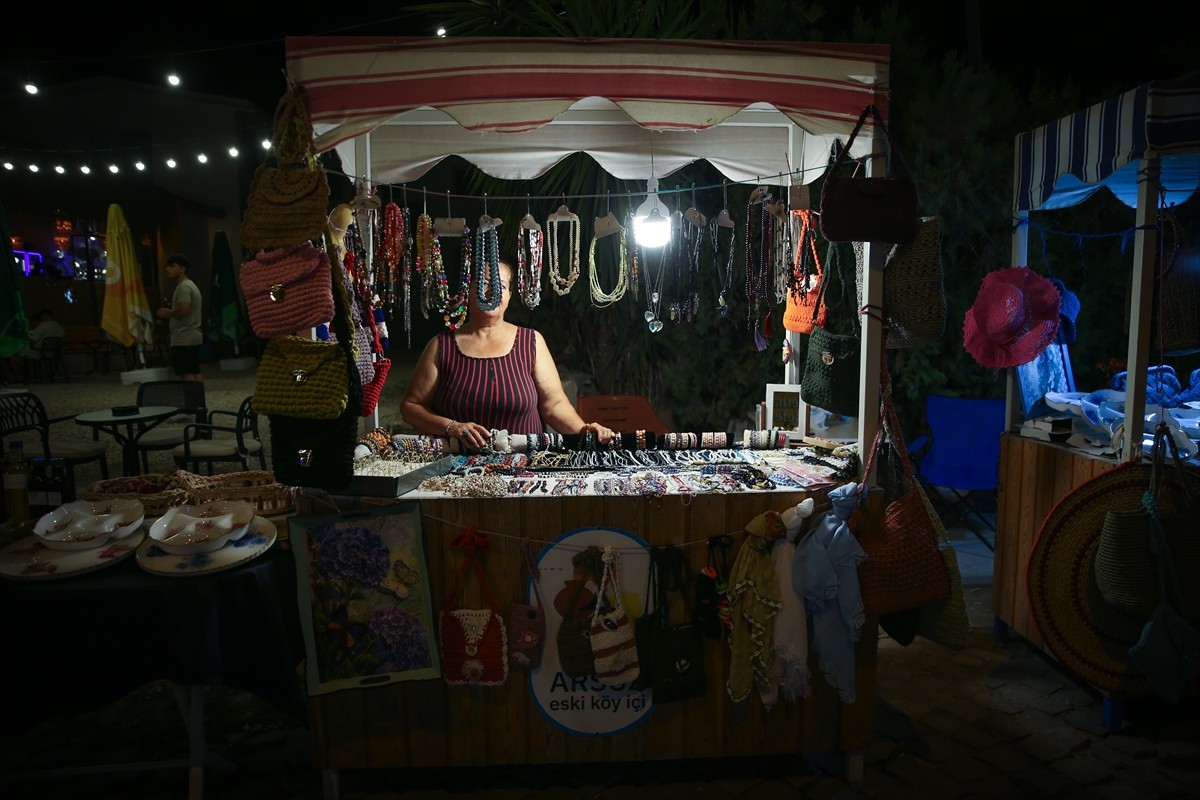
[(1034, 476), (429, 724)]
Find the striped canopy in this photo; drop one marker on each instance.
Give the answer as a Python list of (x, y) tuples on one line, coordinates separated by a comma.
[(516, 106), (1065, 161)]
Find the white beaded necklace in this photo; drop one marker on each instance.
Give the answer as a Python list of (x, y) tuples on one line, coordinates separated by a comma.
[(563, 285), (600, 298)]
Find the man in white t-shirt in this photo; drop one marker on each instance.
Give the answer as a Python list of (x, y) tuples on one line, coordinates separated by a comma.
[(184, 313)]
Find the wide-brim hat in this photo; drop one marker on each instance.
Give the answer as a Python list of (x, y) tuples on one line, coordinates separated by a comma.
[(1068, 311), (1014, 318), (1090, 637)]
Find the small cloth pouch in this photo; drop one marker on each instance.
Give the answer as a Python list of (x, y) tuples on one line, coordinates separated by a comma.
[(287, 289), (671, 656), (614, 647), (474, 640), (868, 209), (301, 377), (527, 621)]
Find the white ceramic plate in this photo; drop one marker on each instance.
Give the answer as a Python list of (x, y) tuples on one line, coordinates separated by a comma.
[(202, 528), (29, 558), (85, 524), (258, 540)]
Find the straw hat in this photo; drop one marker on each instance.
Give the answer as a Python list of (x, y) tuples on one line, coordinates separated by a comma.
[(1087, 635), (1014, 318)]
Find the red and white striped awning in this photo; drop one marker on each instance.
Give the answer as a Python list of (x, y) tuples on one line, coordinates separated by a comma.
[(515, 106)]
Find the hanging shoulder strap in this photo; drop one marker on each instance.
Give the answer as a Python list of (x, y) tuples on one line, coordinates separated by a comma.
[(529, 571), (471, 541)]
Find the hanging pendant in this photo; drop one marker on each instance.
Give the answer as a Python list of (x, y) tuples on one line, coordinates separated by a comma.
[(648, 316), (787, 351), (654, 297), (656, 325)]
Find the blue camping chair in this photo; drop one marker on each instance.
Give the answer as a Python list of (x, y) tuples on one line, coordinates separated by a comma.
[(959, 461)]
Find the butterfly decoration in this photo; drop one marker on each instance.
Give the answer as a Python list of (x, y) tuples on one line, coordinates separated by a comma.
[(401, 580)]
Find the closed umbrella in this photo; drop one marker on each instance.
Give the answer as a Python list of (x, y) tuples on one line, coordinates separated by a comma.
[(126, 316), (14, 327), (225, 315)]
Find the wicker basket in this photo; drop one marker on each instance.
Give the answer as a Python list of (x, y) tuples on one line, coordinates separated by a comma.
[(270, 498), (157, 493)]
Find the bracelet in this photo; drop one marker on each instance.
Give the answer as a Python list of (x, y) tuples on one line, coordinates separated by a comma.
[(449, 424)]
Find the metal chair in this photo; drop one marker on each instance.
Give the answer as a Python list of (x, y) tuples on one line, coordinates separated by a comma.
[(200, 445), (187, 396), (23, 412), (47, 360), (959, 461)]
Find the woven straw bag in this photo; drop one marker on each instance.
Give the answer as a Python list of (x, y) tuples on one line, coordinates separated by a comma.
[(1179, 303), (302, 378), (946, 622), (287, 289), (904, 568), (914, 299)]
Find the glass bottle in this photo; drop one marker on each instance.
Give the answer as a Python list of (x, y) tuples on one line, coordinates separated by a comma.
[(61, 488), (38, 477), (16, 484)]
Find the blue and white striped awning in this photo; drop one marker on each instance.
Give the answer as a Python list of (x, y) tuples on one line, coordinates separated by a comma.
[(1064, 162)]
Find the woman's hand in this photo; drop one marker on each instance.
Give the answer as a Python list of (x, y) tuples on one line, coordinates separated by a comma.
[(473, 435), (603, 434)]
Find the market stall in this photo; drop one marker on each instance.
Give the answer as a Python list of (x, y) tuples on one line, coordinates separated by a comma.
[(513, 107), (1144, 147)]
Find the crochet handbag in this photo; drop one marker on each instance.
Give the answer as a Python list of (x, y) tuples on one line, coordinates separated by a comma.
[(946, 622), (304, 453), (573, 639), (831, 362), (288, 199), (374, 387), (671, 656), (302, 377), (614, 647), (287, 289), (474, 640), (914, 299), (904, 568), (527, 621), (804, 282), (868, 209)]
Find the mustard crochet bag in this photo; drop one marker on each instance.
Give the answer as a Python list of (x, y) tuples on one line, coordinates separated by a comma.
[(302, 378)]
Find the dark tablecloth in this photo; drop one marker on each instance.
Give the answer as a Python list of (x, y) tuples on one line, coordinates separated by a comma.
[(75, 644)]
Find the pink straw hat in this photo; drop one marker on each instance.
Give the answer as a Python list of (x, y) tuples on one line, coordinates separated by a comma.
[(1015, 317)]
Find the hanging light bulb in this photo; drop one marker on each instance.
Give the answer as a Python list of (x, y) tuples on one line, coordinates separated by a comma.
[(173, 78), (652, 220)]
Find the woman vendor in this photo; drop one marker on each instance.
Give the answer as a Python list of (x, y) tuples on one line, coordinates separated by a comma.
[(490, 374)]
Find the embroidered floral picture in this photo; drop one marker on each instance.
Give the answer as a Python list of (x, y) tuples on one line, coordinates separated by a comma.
[(364, 596)]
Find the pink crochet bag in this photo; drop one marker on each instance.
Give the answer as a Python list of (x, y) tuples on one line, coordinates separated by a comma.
[(287, 289)]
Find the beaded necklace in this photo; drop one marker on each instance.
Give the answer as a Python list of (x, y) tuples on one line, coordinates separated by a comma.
[(429, 263), (488, 291), (724, 276), (758, 265), (691, 298), (454, 312), (600, 298), (529, 266), (563, 285)]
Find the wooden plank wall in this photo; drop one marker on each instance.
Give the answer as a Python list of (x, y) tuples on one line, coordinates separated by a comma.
[(1034, 476), (427, 723)]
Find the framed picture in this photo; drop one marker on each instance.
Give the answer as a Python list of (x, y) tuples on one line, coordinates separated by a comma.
[(1049, 372), (785, 409), (365, 606)]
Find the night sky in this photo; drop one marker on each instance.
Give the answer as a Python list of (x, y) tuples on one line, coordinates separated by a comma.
[(241, 54)]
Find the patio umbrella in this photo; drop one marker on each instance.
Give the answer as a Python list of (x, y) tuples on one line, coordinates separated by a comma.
[(224, 315), (126, 316), (14, 331)]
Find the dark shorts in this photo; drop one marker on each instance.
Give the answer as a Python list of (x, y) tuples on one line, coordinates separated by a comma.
[(186, 359)]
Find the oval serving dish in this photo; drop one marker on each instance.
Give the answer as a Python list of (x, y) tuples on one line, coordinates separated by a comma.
[(84, 524), (203, 527)]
